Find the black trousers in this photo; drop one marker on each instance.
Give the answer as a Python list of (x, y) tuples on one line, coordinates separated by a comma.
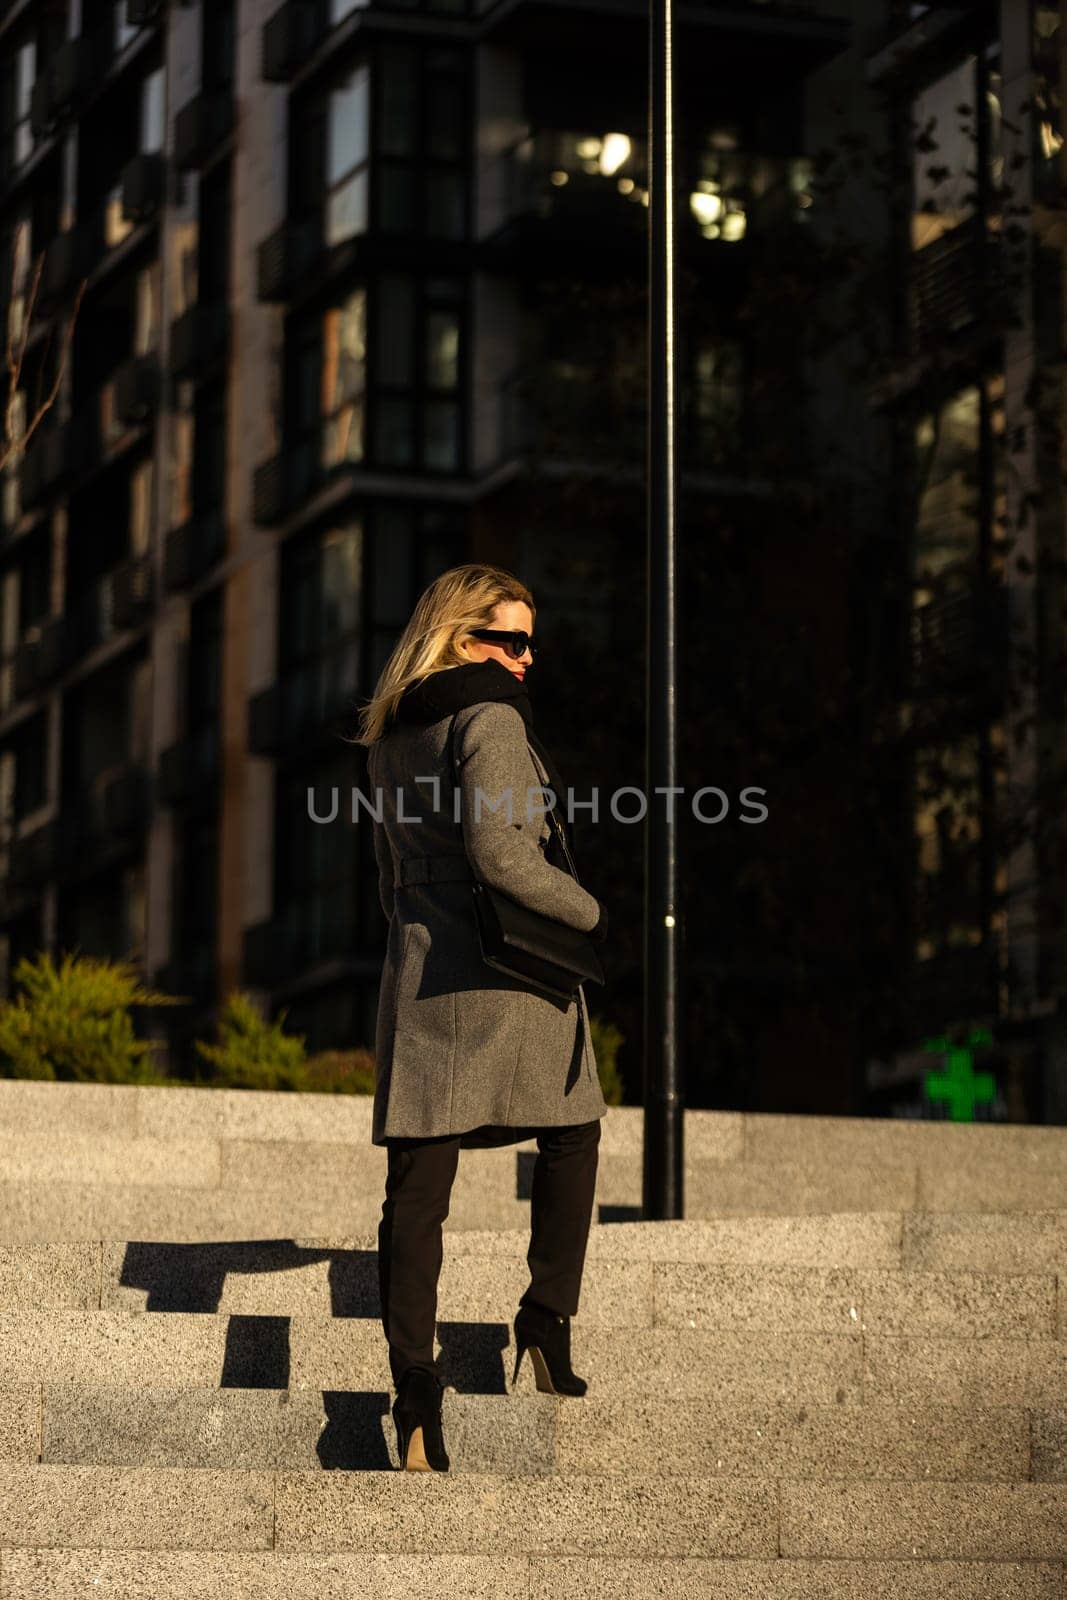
[(418, 1188)]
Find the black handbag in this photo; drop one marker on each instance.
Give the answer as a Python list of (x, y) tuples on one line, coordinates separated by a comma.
[(540, 951)]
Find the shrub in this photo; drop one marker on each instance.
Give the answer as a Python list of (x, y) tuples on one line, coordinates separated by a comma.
[(606, 1042), (72, 1022), (339, 1072), (252, 1053)]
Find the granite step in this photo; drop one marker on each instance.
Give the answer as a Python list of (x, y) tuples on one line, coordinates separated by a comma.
[(348, 1353), (52, 1573), (118, 1424), (261, 1279), (400, 1513)]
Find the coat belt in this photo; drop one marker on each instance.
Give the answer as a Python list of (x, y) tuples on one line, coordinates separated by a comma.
[(432, 869)]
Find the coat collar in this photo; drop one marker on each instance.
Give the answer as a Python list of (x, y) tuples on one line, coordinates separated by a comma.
[(450, 689)]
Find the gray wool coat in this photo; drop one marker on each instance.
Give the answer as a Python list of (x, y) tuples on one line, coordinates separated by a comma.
[(460, 1046)]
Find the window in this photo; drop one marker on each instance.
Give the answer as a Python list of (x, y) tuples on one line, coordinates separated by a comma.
[(146, 311), (17, 75), (329, 377), (153, 111), (419, 373), (195, 901), (422, 140), (18, 267), (947, 523), (209, 453), (321, 593), (344, 349), (121, 30), (409, 547), (320, 625), (218, 44), (956, 148), (12, 500), (347, 146), (142, 489), (717, 400), (948, 836), (214, 252)]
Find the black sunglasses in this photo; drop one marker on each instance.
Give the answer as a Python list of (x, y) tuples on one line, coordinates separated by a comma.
[(516, 641)]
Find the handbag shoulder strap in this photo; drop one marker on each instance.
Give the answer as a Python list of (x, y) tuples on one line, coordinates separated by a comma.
[(554, 822)]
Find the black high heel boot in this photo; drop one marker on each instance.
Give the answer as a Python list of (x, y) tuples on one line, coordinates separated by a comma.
[(417, 1414), (547, 1336)]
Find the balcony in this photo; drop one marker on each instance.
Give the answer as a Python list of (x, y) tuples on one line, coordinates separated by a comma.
[(113, 604), (320, 927), (69, 76), (35, 856), (289, 37), (774, 42), (955, 282), (960, 638), (53, 458), (555, 190), (42, 657), (940, 28), (307, 701), (197, 338), (142, 184), (191, 550), (189, 770), (67, 261), (140, 13), (200, 127), (106, 818), (291, 254), (135, 390), (283, 483)]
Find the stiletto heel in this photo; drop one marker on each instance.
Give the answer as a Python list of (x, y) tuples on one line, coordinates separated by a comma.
[(417, 1414), (547, 1336)]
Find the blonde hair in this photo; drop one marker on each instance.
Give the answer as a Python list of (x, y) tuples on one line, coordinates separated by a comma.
[(460, 599)]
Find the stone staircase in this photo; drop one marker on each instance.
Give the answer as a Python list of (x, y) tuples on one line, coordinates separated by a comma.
[(843, 1375)]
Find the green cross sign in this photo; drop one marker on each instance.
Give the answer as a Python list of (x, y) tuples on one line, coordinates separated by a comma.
[(958, 1083)]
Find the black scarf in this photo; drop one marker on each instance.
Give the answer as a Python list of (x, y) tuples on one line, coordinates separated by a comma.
[(450, 689)]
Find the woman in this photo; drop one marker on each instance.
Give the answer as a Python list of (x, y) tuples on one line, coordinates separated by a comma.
[(466, 1056)]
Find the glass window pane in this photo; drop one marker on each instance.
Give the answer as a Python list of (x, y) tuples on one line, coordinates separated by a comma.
[(445, 204), (348, 126), (394, 432), (344, 351), (396, 331), (25, 72), (152, 111), (342, 580), (142, 495), (346, 209), (399, 101), (944, 145), (441, 445), (445, 117), (946, 535), (342, 436), (146, 317), (397, 186), (442, 349), (392, 566), (121, 31)]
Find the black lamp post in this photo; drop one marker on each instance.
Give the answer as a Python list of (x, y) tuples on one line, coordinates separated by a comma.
[(662, 1194)]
